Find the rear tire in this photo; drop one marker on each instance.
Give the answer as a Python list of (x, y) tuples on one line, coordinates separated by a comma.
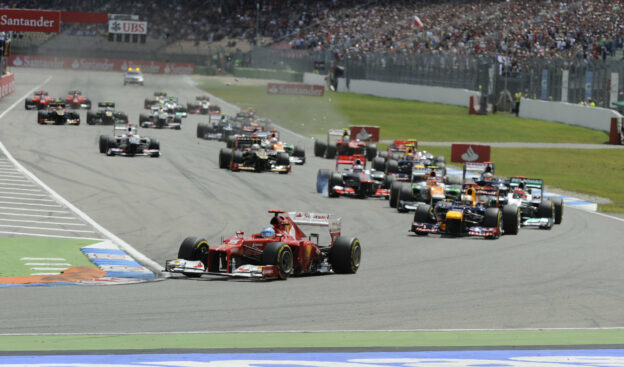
[(331, 151), (405, 194), (282, 159), (335, 179), (280, 254), (558, 209), (378, 164), (371, 151), (319, 148), (393, 166), (395, 188), (103, 143), (201, 130), (345, 255)]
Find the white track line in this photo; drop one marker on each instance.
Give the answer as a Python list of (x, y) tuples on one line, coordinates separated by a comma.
[(29, 199), (22, 194), (157, 268), (41, 221), (18, 203), (47, 264), (35, 210), (17, 188), (51, 236), (36, 216), (44, 258), (48, 229)]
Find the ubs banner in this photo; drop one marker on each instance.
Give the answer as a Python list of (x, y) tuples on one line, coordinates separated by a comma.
[(78, 63), (20, 20)]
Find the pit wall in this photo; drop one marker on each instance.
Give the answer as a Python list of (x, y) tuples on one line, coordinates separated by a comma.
[(413, 92), (596, 118)]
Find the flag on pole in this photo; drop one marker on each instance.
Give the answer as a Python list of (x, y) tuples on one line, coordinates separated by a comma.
[(417, 22)]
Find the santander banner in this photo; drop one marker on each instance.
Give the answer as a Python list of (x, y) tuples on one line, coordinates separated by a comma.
[(470, 153), (20, 20), (78, 63), (7, 85), (364, 133), (296, 89)]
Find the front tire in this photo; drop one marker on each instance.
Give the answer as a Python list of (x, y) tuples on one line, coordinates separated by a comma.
[(280, 254), (511, 219), (194, 249)]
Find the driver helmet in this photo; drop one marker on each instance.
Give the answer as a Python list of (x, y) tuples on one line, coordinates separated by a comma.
[(519, 194), (487, 176), (357, 165), (268, 232), (255, 147), (273, 140), (129, 130), (467, 199)]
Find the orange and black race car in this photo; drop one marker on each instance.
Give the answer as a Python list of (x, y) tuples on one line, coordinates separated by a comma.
[(40, 101), (281, 249), (56, 114)]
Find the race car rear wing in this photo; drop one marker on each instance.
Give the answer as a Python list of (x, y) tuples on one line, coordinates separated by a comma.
[(106, 104), (534, 183), (472, 169), (318, 219)]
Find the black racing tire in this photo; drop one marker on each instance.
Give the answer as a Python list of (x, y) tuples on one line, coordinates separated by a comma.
[(230, 141), (103, 143), (280, 254), (558, 209), (546, 209), (345, 255), (154, 144), (111, 142), (90, 117), (41, 115), (322, 180), (298, 152), (493, 218), (395, 156), (388, 181), (282, 159), (225, 158), (423, 214), (319, 148), (371, 151), (393, 166), (143, 117), (177, 120), (511, 219), (395, 188), (405, 194), (335, 179), (237, 156), (194, 249), (330, 153), (201, 130), (453, 180), (378, 164), (384, 155)]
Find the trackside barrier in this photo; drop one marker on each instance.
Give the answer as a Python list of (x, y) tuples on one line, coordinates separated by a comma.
[(7, 85), (616, 134)]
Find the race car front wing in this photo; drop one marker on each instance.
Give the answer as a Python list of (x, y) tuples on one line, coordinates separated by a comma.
[(245, 271)]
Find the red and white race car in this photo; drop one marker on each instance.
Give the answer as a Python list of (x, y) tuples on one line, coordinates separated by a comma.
[(75, 100), (40, 101), (281, 249)]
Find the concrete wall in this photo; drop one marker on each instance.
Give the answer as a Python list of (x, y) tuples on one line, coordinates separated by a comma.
[(451, 96), (315, 79), (568, 113)]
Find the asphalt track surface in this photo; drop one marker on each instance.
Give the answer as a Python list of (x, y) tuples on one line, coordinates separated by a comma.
[(568, 277)]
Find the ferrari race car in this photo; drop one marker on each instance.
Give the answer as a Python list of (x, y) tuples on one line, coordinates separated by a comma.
[(479, 212), (75, 100), (40, 101), (354, 181), (344, 146), (160, 119), (278, 251), (56, 114), (106, 115), (159, 97), (536, 210), (247, 155), (126, 142), (218, 128), (134, 76)]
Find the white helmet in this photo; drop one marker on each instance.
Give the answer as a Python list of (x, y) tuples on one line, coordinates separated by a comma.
[(255, 147)]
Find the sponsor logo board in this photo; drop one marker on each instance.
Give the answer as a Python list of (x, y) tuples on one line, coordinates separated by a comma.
[(296, 89), (78, 63), (470, 153), (127, 27), (21, 20), (364, 133)]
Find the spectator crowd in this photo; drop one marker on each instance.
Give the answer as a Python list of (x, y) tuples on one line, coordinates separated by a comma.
[(518, 29)]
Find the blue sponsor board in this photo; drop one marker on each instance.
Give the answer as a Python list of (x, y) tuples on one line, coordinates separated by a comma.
[(465, 358)]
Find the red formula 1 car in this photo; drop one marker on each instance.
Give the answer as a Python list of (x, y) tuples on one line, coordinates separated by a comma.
[(40, 101), (344, 147), (280, 250), (75, 100)]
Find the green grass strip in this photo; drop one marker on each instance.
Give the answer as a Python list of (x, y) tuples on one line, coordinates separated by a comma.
[(517, 338), (13, 249)]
